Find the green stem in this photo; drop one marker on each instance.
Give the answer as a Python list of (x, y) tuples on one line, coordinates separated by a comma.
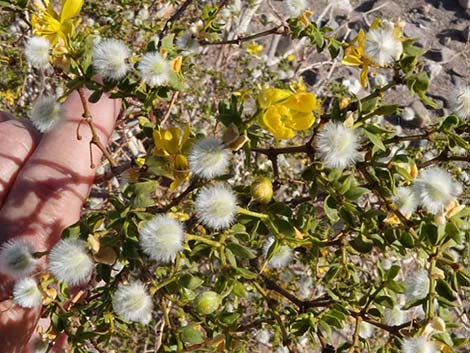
[(246, 212), (165, 283), (213, 243), (432, 286)]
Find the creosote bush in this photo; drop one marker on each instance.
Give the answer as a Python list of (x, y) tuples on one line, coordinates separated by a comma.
[(255, 214)]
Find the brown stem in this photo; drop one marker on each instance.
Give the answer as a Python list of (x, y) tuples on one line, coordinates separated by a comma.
[(181, 196), (168, 112), (114, 171), (238, 41), (95, 139), (376, 190), (173, 18)]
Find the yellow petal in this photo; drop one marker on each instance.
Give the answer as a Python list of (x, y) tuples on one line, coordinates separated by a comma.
[(186, 132), (70, 8), (377, 23), (361, 39), (270, 96), (176, 64), (363, 76), (171, 138), (301, 121), (352, 59), (274, 119), (304, 102)]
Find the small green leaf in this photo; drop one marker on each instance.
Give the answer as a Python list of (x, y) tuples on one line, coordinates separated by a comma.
[(241, 251), (375, 140)]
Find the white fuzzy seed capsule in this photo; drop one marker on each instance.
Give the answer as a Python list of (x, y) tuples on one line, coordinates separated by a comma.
[(418, 345), (417, 285), (461, 102), (36, 51), (70, 262), (132, 302), (216, 206), (46, 113), (337, 145), (26, 293), (294, 8), (16, 258), (405, 200), (366, 330), (154, 69), (161, 238), (435, 189), (110, 59), (281, 258), (208, 158), (395, 316), (382, 45)]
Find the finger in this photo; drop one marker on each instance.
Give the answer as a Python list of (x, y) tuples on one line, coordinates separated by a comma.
[(17, 141), (4, 116), (16, 326), (49, 191)]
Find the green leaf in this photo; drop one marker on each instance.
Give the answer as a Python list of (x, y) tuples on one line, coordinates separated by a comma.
[(393, 272), (429, 232), (230, 113), (142, 193), (191, 334), (241, 251), (375, 140), (361, 244), (329, 205), (449, 122), (95, 96), (356, 192), (444, 289), (228, 319), (247, 274), (190, 282), (386, 110)]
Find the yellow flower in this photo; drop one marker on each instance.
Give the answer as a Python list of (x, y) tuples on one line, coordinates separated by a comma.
[(254, 49), (170, 143), (57, 28), (8, 97), (284, 112), (354, 56)]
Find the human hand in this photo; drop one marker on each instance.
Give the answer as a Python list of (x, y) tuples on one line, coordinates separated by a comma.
[(44, 181)]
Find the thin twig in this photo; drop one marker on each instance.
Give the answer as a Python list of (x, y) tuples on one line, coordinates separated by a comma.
[(168, 112), (281, 29), (95, 139), (173, 18)]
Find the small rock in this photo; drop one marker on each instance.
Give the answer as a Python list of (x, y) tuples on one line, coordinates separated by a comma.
[(332, 24), (443, 54), (466, 34), (379, 80), (423, 117), (425, 9), (465, 4), (310, 77), (408, 114), (411, 30), (342, 6)]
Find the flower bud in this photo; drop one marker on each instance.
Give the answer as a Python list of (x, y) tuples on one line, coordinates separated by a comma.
[(262, 190), (208, 302)]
